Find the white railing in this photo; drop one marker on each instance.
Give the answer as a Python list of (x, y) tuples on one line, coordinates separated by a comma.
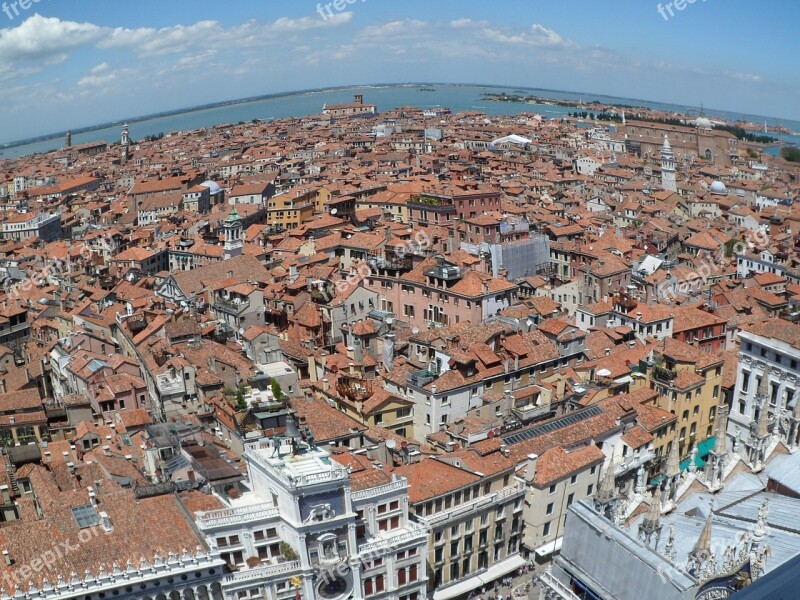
[(415, 532), (549, 581), (232, 516), (474, 505), (633, 462), (394, 486), (264, 572), (104, 581), (329, 473)]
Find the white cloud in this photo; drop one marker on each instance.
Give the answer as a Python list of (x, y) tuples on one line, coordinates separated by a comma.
[(43, 38), (157, 42), (97, 80), (309, 23), (394, 30), (538, 35), (748, 77)]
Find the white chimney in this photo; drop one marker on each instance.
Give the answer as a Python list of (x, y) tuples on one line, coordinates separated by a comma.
[(7, 558), (105, 521), (530, 472), (92, 496), (107, 450)]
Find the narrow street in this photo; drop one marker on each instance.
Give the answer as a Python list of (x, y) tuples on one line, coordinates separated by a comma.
[(516, 588)]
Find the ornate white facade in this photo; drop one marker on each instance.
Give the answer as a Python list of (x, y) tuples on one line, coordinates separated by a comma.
[(304, 529)]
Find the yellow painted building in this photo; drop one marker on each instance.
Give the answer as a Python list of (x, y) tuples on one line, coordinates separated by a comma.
[(289, 210), (689, 385)]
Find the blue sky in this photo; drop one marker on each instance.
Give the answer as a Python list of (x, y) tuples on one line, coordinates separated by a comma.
[(72, 63)]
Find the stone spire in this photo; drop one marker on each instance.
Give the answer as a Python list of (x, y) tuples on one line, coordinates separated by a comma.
[(651, 524), (703, 544), (673, 462), (763, 422), (607, 494), (701, 553), (721, 444), (763, 389)]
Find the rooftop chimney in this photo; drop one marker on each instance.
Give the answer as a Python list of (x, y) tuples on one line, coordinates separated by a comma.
[(7, 558), (530, 473), (107, 450), (105, 521)]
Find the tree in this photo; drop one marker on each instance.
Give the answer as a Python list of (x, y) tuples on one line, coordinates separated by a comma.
[(288, 552), (277, 392), (791, 153)]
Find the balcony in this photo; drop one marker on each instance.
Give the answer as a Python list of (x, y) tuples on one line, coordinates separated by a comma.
[(432, 204), (168, 386), (664, 375), (559, 590), (633, 462), (411, 532), (354, 388), (234, 306), (391, 263), (264, 572), (530, 412), (472, 507), (421, 378), (235, 516), (389, 488), (444, 272)]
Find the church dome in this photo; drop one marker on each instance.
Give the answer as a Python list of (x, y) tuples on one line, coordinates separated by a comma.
[(719, 188), (703, 123), (213, 187)]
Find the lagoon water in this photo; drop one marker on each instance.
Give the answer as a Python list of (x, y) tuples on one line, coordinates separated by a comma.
[(455, 97)]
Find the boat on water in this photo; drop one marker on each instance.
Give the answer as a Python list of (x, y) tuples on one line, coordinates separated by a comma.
[(426, 89)]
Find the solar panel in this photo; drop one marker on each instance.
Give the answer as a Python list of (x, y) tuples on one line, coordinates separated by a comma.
[(86, 516), (555, 425)]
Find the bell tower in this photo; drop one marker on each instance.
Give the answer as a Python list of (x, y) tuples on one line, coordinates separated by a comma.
[(124, 145), (668, 178), (233, 235)]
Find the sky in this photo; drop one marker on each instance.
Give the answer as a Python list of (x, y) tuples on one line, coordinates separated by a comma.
[(74, 63)]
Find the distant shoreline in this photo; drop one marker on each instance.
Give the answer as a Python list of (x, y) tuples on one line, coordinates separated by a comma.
[(276, 95)]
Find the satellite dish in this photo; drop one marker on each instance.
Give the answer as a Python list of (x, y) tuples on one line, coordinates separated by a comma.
[(415, 331), (241, 331), (391, 444), (390, 321), (334, 211)]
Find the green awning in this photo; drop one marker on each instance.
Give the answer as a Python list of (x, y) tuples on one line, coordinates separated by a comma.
[(704, 448)]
